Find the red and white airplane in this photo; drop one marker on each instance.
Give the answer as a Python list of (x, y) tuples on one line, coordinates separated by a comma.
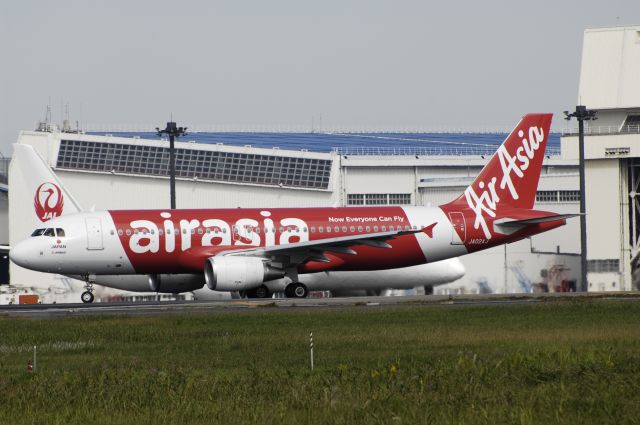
[(245, 249)]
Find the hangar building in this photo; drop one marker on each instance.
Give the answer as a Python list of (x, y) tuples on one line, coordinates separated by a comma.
[(610, 85)]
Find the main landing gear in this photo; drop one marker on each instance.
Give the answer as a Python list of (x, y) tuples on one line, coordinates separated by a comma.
[(87, 296), (296, 290), (260, 292)]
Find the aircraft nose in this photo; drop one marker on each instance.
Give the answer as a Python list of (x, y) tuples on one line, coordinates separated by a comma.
[(19, 254), (456, 268)]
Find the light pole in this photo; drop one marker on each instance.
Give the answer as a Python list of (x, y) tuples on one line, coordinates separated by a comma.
[(582, 114), (173, 131)]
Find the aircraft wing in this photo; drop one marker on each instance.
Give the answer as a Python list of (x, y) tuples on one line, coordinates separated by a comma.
[(301, 252)]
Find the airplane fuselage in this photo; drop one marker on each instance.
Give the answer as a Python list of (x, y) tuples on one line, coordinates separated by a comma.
[(179, 241), (165, 241)]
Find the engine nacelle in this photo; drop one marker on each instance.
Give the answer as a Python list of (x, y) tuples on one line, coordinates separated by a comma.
[(174, 283), (238, 273)]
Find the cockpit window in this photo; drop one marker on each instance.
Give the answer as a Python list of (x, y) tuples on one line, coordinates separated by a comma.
[(49, 232), (37, 232), (60, 232)]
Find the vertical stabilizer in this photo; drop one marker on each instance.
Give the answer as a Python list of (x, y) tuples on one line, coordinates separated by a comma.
[(510, 178), (50, 198)]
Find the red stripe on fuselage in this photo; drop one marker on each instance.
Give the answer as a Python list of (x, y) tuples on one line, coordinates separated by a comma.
[(204, 233)]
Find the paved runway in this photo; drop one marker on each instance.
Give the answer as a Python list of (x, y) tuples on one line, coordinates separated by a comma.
[(177, 307)]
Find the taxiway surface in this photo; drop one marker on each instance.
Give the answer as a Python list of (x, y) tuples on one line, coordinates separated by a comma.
[(177, 307)]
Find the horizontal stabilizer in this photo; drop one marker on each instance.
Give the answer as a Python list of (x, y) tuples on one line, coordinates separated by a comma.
[(519, 223)]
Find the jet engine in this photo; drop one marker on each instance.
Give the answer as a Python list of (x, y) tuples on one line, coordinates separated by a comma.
[(238, 273), (174, 283)]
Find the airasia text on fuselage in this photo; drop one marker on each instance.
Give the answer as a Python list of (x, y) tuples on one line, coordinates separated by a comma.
[(149, 236)]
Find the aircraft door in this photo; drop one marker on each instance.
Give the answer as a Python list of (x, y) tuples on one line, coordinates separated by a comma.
[(94, 233), (459, 228)]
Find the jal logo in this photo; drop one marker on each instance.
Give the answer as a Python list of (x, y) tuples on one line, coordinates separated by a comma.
[(48, 201)]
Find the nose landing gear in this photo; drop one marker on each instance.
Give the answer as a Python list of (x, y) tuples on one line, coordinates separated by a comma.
[(87, 297)]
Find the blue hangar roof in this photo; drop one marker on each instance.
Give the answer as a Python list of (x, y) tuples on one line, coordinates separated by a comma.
[(360, 143)]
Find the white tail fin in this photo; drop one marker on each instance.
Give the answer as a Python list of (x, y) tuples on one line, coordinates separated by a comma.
[(50, 198)]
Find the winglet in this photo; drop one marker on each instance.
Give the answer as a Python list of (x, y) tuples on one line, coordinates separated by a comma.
[(428, 230)]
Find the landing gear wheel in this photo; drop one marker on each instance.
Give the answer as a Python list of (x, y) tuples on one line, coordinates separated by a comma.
[(288, 290), (296, 290), (87, 297), (262, 292)]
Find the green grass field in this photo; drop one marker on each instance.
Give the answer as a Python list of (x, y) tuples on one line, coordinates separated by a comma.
[(554, 362)]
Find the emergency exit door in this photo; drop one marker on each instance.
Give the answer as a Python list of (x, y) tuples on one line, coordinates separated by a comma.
[(94, 233), (459, 229)]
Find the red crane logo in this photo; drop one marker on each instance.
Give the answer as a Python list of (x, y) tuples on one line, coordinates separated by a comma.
[(48, 202)]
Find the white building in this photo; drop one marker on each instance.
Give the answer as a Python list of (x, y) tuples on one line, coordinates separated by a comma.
[(610, 84), (104, 172)]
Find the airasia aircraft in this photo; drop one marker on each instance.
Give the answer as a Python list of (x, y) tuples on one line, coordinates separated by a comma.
[(244, 249)]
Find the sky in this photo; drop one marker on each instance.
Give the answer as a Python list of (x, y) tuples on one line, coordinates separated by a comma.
[(456, 65)]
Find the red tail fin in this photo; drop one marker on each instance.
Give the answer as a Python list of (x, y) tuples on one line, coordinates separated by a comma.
[(510, 179)]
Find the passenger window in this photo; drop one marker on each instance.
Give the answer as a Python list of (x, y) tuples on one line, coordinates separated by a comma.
[(344, 229), (352, 229), (128, 232), (375, 228), (113, 232), (120, 232), (336, 229), (368, 229), (50, 232)]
